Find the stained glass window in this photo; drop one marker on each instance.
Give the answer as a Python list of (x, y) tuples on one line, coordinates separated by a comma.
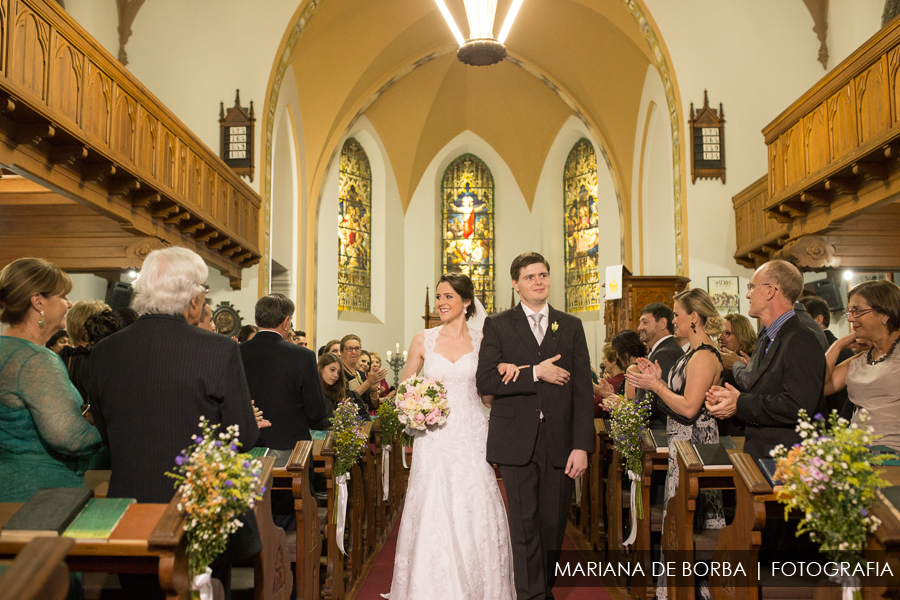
[(467, 200), (582, 231), (354, 229)]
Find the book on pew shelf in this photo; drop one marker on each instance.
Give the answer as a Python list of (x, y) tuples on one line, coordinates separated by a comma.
[(607, 424), (137, 523), (258, 452), (660, 439), (47, 514), (97, 520), (890, 496), (767, 467), (712, 455)]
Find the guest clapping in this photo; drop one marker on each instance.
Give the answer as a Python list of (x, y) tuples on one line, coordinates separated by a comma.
[(872, 378), (364, 384), (629, 348), (736, 344), (615, 378), (42, 433)]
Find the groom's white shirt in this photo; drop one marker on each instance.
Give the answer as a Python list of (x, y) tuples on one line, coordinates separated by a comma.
[(545, 322)]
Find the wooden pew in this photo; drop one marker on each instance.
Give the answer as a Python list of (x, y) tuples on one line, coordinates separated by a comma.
[(599, 464), (39, 571), (333, 586), (655, 461), (307, 544), (371, 492), (885, 544), (356, 511), (272, 565), (382, 505), (156, 549), (678, 528), (615, 504)]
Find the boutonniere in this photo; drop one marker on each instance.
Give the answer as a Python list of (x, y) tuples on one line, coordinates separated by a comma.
[(554, 326)]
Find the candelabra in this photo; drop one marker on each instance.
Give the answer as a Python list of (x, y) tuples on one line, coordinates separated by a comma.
[(396, 361)]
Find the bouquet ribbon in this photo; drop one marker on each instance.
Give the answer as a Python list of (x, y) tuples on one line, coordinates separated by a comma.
[(403, 454), (341, 510), (386, 469), (203, 584), (635, 502)]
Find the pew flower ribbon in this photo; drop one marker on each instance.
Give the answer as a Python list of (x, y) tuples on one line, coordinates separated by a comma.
[(630, 418), (422, 405), (217, 485), (830, 477), (389, 418), (349, 442)]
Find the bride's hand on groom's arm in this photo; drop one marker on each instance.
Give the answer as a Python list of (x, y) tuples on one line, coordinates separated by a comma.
[(577, 463), (509, 371), (549, 372)]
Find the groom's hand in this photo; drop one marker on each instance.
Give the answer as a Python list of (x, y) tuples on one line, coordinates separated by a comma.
[(577, 464), (549, 372)]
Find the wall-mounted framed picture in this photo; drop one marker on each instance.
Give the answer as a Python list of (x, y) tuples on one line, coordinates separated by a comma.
[(725, 293)]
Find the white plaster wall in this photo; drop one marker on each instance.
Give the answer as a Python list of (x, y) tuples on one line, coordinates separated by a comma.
[(756, 59), (87, 287), (100, 18), (850, 24), (381, 329), (285, 200)]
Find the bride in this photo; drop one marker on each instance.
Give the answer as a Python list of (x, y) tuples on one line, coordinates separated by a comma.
[(454, 538)]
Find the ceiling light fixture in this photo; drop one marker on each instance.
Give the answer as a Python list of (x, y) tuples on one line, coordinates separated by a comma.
[(481, 48)]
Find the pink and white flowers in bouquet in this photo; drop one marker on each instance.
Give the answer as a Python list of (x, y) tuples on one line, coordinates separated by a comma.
[(421, 403)]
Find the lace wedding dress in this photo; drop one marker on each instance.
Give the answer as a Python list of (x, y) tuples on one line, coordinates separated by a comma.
[(454, 538)]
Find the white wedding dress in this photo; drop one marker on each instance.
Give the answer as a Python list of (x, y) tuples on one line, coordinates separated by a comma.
[(454, 537)]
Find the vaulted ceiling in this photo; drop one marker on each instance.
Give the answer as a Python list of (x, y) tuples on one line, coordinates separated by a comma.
[(394, 61)]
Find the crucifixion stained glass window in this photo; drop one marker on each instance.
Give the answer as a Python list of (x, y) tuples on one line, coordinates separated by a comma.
[(354, 229), (582, 231), (467, 200)]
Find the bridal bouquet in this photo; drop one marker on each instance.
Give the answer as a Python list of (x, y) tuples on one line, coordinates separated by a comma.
[(830, 477), (421, 403), (217, 484)]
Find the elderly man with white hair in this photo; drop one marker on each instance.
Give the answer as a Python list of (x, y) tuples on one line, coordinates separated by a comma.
[(151, 382)]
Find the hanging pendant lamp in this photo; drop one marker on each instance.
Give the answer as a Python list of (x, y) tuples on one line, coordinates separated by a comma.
[(481, 48)]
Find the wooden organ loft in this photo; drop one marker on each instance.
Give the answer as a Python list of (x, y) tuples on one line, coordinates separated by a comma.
[(830, 197), (96, 172)]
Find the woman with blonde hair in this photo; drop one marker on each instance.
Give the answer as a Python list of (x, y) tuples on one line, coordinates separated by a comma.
[(683, 397)]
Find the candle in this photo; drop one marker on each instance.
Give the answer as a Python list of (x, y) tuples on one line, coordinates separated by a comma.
[(404, 355), (389, 356), (398, 347)]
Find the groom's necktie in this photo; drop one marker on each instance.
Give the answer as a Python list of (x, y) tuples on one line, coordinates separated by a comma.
[(538, 330)]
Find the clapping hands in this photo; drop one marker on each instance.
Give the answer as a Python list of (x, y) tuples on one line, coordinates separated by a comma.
[(649, 378), (261, 421)]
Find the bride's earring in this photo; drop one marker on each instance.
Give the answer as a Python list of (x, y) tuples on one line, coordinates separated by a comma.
[(694, 327), (41, 322)]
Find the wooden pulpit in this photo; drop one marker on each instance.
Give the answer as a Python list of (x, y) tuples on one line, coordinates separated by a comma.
[(637, 292)]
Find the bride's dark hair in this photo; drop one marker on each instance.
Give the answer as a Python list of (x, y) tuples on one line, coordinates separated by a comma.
[(463, 286)]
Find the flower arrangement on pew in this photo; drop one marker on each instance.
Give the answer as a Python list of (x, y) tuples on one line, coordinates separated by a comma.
[(422, 403), (217, 485), (389, 417), (349, 439), (630, 419), (830, 477)]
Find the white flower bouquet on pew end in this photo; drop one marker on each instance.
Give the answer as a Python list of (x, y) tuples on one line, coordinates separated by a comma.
[(422, 403)]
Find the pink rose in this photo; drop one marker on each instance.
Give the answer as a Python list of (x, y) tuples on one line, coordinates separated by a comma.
[(401, 405), (419, 418), (433, 417)]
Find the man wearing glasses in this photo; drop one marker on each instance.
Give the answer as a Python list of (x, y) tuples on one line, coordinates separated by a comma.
[(786, 372)]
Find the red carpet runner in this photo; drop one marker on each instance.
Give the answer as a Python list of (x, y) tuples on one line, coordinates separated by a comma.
[(379, 580)]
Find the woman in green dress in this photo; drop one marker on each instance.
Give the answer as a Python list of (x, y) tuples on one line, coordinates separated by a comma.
[(42, 432)]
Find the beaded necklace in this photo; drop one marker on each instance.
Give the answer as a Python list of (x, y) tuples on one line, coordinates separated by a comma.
[(873, 361)]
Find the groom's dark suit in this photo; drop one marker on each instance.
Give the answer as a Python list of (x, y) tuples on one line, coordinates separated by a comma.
[(532, 454)]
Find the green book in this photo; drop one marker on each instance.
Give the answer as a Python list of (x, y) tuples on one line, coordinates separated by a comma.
[(99, 518), (258, 452), (48, 513)]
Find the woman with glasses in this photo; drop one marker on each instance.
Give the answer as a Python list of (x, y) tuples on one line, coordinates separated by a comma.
[(364, 384), (872, 377), (735, 344)]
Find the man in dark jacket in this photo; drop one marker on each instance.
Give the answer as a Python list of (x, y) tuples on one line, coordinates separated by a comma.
[(283, 377), (787, 369), (818, 310), (656, 329)]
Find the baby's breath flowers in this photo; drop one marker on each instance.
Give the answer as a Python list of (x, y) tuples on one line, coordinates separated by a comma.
[(830, 477), (217, 485), (349, 439)]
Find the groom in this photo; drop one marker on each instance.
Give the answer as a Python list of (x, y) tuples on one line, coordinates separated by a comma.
[(541, 426)]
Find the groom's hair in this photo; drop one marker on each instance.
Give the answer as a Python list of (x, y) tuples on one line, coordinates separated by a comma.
[(523, 260), (463, 286)]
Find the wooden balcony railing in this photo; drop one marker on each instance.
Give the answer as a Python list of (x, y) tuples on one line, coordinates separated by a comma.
[(74, 119), (832, 155)]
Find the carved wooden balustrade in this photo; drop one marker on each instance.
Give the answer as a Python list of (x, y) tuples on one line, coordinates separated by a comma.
[(75, 120), (833, 156)]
